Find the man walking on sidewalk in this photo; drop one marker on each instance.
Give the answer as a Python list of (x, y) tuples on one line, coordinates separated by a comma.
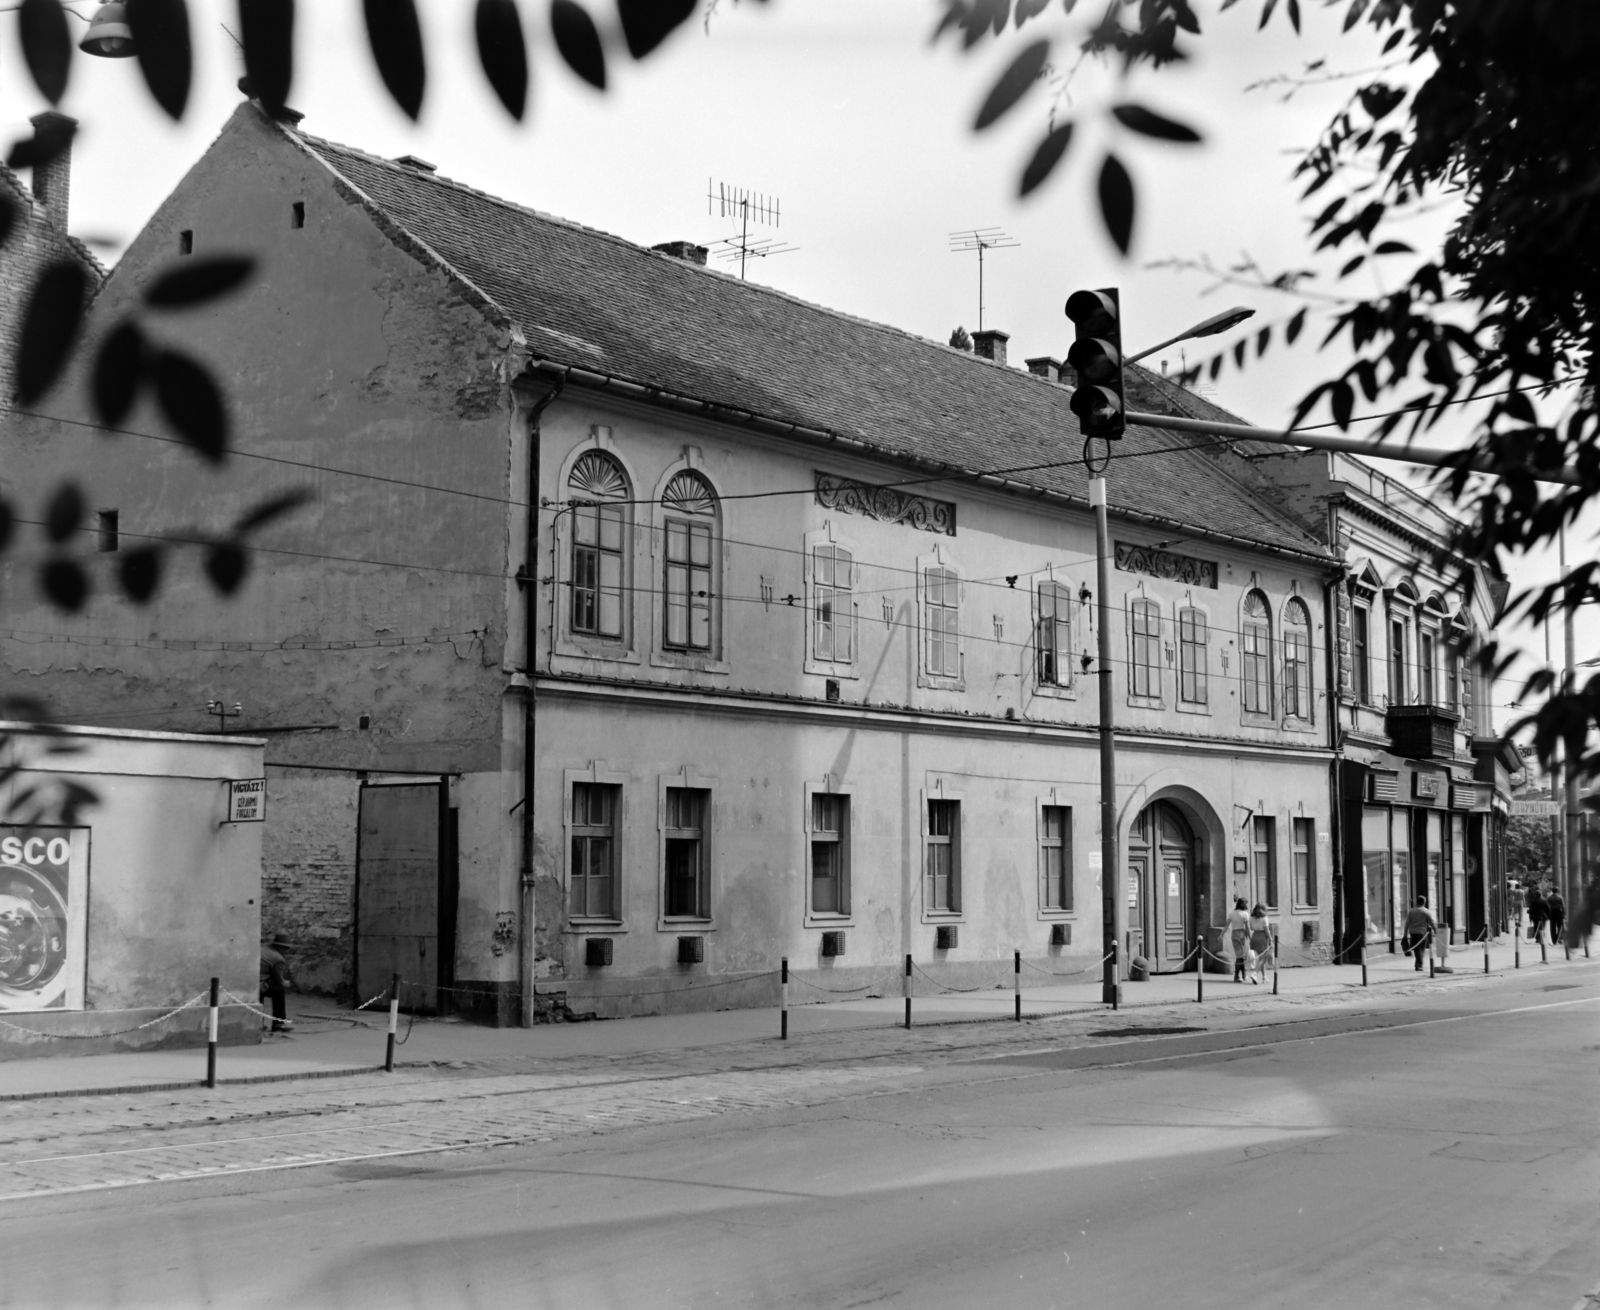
[(1419, 930), (275, 981)]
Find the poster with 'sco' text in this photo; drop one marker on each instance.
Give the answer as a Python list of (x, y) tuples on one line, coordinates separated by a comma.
[(44, 892)]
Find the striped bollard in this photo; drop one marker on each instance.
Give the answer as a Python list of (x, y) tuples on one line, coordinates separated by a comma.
[(1516, 951), (394, 1021), (1274, 964), (211, 1036), (1363, 959), (1016, 979), (908, 991), (1199, 970), (1486, 950), (783, 1000)]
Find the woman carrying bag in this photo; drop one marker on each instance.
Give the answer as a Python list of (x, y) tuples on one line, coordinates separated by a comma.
[(1260, 943), (1239, 936)]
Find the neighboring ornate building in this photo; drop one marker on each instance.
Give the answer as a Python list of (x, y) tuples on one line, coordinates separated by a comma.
[(650, 625)]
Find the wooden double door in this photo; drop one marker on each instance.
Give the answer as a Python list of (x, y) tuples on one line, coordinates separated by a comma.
[(1161, 888)]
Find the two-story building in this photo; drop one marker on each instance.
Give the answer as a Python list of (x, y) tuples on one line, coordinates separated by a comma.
[(650, 626)]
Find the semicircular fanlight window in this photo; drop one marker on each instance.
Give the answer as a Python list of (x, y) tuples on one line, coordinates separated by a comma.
[(1255, 605), (688, 493), (597, 477), (1295, 613)]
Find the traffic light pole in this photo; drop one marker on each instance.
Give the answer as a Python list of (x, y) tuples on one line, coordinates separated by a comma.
[(1113, 915)]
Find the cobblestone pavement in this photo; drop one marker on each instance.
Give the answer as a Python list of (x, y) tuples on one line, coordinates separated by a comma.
[(58, 1146)]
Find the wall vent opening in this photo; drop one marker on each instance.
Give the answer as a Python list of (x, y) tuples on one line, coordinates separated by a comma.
[(186, 242), (691, 950), (597, 952), (298, 210), (832, 944), (1061, 934), (945, 937), (108, 530)]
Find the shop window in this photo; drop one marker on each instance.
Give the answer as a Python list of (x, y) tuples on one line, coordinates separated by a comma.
[(1264, 860), (1305, 861), (593, 875), (687, 890), (1144, 668), (1377, 866), (599, 545), (1296, 660), (830, 853), (1193, 639), (1255, 645), (1055, 858), (1054, 635), (944, 856)]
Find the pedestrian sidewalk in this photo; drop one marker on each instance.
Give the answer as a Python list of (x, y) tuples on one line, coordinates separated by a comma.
[(330, 1041)]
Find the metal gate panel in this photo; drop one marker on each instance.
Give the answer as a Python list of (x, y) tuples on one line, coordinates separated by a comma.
[(397, 892)]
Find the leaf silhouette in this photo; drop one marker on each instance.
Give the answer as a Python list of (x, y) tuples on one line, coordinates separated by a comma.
[(1296, 324), (1046, 157), (226, 565), (395, 36), (117, 371), (7, 524), (265, 512), (49, 139), (266, 29), (1026, 9), (64, 584), (1021, 74), (46, 45), (192, 404), (1136, 118), (1116, 202), (503, 52), (1342, 400), (8, 216), (160, 31), (1293, 9), (195, 281), (578, 40), (1393, 248), (647, 23), (49, 327), (64, 513), (1263, 340), (139, 572)]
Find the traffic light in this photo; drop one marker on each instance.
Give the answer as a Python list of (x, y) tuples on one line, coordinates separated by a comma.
[(1097, 355)]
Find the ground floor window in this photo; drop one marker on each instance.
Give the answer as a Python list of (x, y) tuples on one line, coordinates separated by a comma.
[(1055, 857), (944, 855), (830, 853), (593, 876), (1305, 861), (1264, 860), (687, 874)]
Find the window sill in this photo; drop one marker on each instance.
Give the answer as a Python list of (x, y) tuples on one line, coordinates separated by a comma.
[(943, 916), (665, 924), (599, 927), (822, 669), (826, 920), (611, 652), (1146, 703), (1055, 916), (674, 659), (1055, 691), (1298, 725), (934, 682), (1201, 709)]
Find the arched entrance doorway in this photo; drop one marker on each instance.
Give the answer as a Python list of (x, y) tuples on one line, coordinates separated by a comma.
[(1161, 886)]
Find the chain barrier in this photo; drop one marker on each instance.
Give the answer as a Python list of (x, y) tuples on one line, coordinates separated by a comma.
[(381, 996), (1071, 973), (190, 1004), (843, 991)]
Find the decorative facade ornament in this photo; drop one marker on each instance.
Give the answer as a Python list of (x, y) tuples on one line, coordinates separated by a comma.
[(886, 503), (689, 493), (598, 477), (1164, 564)]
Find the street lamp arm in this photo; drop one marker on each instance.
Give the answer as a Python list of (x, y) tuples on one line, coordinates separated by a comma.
[(1209, 328)]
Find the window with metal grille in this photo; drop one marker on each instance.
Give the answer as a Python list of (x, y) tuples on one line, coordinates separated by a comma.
[(1145, 666), (687, 873), (1360, 653), (599, 543), (1296, 660), (944, 624), (830, 853), (1264, 857), (1054, 637), (1255, 649), (593, 875), (1055, 857), (1305, 861), (833, 610), (1193, 639), (944, 855)]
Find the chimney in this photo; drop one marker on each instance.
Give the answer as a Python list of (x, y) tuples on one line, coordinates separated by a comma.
[(990, 343), (52, 182), (684, 250), (1044, 366)]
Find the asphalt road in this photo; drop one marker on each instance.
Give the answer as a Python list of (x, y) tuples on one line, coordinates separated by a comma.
[(1444, 1154)]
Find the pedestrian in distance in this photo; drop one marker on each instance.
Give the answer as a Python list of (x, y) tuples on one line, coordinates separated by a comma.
[(1420, 924), (275, 981), (1239, 936), (1555, 909), (1260, 943), (1587, 918), (1537, 912)]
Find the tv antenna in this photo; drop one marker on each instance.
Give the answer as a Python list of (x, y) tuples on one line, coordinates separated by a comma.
[(728, 201), (980, 239)]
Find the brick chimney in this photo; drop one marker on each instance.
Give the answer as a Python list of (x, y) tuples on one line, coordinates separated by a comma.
[(52, 182), (991, 344), (684, 250), (1044, 366)]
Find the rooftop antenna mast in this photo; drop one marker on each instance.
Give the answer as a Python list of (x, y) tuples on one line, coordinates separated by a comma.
[(728, 201), (980, 239)]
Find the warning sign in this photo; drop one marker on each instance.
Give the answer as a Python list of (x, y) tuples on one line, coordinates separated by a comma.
[(247, 800)]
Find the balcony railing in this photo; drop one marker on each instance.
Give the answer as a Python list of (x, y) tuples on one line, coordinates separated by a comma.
[(1422, 732)]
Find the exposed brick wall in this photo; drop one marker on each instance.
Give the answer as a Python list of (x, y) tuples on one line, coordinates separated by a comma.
[(308, 874)]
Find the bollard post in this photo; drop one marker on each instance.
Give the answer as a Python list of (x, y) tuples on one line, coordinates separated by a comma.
[(783, 1002), (1431, 958), (908, 992), (1516, 949), (1274, 964), (211, 1037), (1363, 959), (1486, 950), (1544, 949), (394, 1022), (1016, 970), (1199, 970), (1116, 972)]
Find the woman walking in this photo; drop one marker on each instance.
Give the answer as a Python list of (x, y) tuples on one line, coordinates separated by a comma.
[(1260, 943), (1239, 936)]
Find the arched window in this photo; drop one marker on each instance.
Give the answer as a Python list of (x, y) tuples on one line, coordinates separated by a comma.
[(1296, 660), (599, 544), (690, 522), (1255, 645)]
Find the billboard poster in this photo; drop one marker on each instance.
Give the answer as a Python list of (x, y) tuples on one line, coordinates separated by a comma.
[(44, 893)]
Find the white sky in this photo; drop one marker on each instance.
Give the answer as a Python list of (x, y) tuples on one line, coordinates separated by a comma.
[(843, 110)]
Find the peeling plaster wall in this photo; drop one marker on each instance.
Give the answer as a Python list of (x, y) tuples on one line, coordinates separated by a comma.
[(347, 352)]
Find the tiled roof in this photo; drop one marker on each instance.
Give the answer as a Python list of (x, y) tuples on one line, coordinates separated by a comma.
[(593, 301)]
